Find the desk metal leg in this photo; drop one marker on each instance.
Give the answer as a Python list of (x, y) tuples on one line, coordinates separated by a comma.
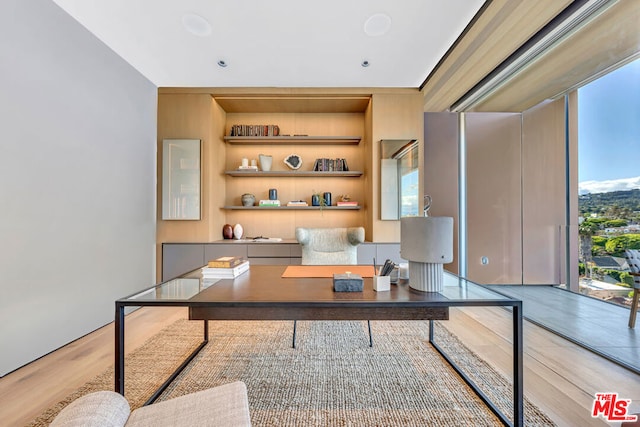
[(518, 399), (518, 371), (119, 349), (119, 356), (184, 364)]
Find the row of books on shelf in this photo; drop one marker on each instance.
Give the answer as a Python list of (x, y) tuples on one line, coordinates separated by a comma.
[(330, 165), (228, 267), (255, 130)]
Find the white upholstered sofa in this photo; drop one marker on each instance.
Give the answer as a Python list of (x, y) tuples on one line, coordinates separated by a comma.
[(224, 406)]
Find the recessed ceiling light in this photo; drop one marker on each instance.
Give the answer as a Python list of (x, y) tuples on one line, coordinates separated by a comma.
[(377, 25), (196, 25), (222, 63), (365, 63)]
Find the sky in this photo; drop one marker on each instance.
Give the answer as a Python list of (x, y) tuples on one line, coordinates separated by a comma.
[(609, 132)]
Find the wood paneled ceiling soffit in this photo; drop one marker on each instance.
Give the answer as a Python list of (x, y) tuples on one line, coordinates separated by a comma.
[(608, 41), (497, 31)]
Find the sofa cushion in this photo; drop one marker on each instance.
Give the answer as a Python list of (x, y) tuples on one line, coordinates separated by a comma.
[(99, 409), (226, 405)]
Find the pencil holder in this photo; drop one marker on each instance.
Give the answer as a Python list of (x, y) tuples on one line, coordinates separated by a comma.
[(381, 283)]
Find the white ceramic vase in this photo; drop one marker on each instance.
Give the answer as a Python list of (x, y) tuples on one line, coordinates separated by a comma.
[(265, 162), (238, 231)]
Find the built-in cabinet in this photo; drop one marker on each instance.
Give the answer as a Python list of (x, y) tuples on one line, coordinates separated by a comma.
[(178, 258)]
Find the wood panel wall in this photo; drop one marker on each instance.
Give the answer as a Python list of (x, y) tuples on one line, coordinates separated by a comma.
[(544, 193), (395, 116)]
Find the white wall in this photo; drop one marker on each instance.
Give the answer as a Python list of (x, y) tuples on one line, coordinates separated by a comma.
[(77, 181)]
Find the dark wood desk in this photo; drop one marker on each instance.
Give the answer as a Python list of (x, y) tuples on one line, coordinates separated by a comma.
[(262, 294)]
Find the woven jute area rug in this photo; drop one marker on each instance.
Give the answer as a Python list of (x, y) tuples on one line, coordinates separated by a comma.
[(332, 378)]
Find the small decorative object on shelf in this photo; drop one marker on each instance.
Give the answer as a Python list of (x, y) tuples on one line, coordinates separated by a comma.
[(330, 165), (293, 161), (237, 231), (317, 199), (265, 162), (273, 194), (248, 199), (327, 199), (227, 231), (244, 165)]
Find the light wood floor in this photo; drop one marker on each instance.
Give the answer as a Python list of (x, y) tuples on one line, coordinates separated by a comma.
[(560, 377)]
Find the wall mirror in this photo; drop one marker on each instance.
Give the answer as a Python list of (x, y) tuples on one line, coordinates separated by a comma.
[(399, 177), (181, 179)]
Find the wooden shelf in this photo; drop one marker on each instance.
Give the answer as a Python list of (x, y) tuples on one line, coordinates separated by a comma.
[(292, 174), (292, 208), (291, 140)]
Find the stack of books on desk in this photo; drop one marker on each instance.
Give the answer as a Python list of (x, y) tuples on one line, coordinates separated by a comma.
[(225, 268), (266, 203)]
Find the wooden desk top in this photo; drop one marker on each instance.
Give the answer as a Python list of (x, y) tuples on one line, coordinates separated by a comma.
[(264, 284)]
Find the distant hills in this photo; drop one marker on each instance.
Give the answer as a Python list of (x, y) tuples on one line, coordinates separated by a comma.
[(601, 202)]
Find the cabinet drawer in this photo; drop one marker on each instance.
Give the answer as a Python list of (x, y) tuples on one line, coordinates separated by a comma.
[(179, 258), (296, 251), (213, 251), (366, 253), (270, 261), (267, 250), (390, 251)]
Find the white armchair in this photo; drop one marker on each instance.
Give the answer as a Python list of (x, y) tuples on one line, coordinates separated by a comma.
[(329, 246)]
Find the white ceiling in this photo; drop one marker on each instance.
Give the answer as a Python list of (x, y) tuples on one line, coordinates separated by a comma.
[(277, 43)]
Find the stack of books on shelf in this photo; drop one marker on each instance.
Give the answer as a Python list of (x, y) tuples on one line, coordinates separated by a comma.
[(297, 203), (347, 203), (269, 203), (330, 165), (255, 130), (248, 168), (225, 268)]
